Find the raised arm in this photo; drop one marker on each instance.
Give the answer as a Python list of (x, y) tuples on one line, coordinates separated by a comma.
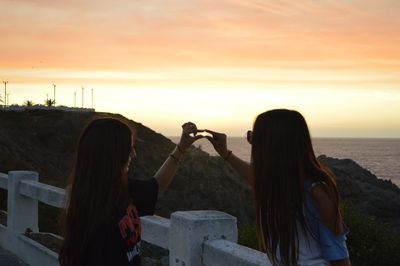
[(243, 168), (166, 172)]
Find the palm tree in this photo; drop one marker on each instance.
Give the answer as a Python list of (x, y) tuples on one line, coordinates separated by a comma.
[(49, 102), (28, 103)]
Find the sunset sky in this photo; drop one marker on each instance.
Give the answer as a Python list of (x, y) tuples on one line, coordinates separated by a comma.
[(214, 62)]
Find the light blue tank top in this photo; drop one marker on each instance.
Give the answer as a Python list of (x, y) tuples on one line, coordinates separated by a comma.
[(318, 245)]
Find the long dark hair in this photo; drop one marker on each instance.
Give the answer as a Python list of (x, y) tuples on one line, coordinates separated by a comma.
[(97, 185), (283, 158)]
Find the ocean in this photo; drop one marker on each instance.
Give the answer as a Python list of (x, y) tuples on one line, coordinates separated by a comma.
[(380, 156)]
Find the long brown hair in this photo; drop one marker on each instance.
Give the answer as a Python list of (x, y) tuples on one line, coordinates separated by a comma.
[(283, 158), (97, 185)]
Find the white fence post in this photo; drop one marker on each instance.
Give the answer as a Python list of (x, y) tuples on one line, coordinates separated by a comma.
[(22, 210), (190, 229)]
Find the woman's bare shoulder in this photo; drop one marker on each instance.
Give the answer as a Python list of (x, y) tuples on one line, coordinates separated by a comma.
[(327, 208)]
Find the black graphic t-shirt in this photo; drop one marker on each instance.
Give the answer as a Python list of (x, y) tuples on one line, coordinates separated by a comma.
[(122, 238)]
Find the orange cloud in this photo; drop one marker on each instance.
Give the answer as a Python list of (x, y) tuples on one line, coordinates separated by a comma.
[(137, 34)]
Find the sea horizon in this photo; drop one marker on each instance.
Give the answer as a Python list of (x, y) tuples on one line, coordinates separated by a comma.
[(380, 156), (362, 138)]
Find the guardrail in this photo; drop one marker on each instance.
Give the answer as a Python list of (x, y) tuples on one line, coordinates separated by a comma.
[(193, 238)]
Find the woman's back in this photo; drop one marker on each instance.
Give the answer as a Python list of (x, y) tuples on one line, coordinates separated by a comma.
[(317, 244)]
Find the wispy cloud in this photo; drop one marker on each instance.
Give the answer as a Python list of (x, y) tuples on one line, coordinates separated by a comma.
[(127, 35)]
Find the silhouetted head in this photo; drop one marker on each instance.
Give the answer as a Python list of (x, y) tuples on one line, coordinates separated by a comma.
[(283, 158), (98, 184), (103, 154), (281, 138)]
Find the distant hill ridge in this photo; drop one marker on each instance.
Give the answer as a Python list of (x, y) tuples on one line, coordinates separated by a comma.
[(44, 141)]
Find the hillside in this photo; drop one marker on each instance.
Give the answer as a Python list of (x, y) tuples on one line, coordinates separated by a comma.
[(44, 141)]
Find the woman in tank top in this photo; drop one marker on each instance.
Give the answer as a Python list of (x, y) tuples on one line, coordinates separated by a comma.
[(296, 198)]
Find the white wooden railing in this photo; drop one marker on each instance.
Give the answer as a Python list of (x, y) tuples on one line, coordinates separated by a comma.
[(192, 237)]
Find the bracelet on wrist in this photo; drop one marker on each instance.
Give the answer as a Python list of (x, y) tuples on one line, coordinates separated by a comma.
[(174, 158), (228, 155)]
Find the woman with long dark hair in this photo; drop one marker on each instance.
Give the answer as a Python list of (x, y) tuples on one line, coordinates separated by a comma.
[(102, 220), (296, 198)]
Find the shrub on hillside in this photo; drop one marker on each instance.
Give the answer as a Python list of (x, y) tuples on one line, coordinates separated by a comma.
[(370, 242)]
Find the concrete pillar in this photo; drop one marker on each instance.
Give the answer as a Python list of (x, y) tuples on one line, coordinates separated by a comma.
[(22, 210), (190, 229)]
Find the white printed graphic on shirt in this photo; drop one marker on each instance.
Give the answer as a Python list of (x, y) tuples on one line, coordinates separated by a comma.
[(135, 251)]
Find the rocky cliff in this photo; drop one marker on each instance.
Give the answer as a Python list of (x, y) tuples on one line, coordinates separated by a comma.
[(372, 196)]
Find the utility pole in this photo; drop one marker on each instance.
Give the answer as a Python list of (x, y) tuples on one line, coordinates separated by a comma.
[(92, 98), (5, 93), (83, 89), (54, 87), (75, 99)]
